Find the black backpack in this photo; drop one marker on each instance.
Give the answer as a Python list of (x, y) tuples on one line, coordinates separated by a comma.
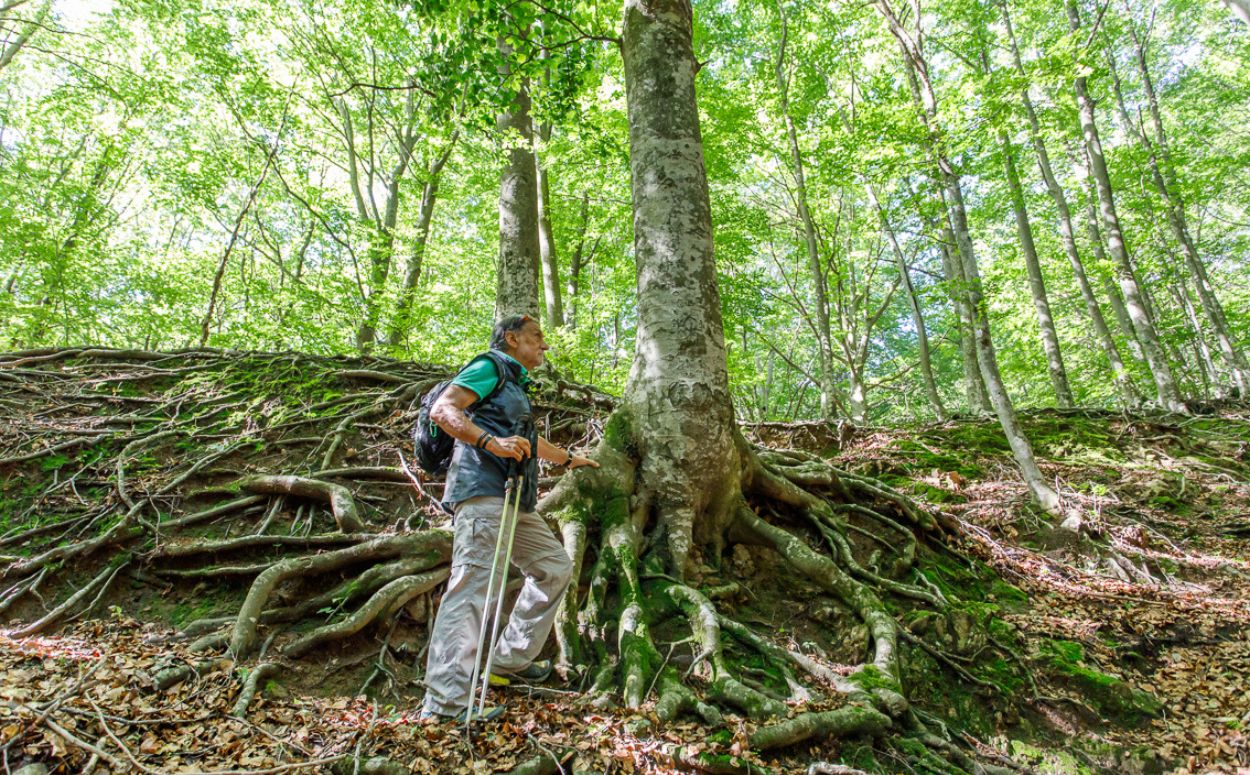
[(432, 444)]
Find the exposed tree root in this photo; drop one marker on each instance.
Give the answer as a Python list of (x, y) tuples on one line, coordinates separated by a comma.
[(384, 603), (843, 722), (252, 684), (340, 499), (434, 545), (96, 586), (644, 622)]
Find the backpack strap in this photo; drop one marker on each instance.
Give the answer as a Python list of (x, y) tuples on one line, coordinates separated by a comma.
[(503, 370)]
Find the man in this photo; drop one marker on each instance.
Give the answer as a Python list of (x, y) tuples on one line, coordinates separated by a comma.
[(487, 448)]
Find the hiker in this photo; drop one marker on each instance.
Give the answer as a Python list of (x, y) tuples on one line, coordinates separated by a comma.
[(487, 448)]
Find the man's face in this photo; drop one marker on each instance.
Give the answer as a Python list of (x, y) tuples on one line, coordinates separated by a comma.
[(528, 344)]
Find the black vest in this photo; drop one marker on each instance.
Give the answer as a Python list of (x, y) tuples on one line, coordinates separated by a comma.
[(474, 471)]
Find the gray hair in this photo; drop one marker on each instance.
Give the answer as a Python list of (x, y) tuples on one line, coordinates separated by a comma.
[(498, 338)]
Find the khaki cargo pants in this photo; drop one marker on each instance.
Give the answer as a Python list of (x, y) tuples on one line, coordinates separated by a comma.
[(453, 643)]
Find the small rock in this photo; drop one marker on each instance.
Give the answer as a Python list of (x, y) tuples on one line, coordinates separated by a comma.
[(32, 769)]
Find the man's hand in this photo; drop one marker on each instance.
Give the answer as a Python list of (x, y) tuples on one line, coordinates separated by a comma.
[(578, 462), (515, 447)]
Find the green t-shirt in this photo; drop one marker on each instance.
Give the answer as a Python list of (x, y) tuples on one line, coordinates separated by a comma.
[(481, 376)]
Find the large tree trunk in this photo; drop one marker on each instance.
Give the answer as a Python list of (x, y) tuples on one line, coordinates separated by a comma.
[(1037, 283), (678, 384), (516, 289), (1165, 385)]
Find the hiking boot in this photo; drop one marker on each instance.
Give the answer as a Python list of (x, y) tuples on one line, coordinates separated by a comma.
[(533, 673), (489, 713)]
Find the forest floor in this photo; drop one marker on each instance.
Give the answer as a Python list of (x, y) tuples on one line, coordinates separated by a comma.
[(1132, 630)]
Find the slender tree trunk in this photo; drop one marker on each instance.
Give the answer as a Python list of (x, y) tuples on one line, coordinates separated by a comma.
[(913, 303), (974, 386), (576, 261), (401, 321), (517, 269), (824, 339), (1163, 175), (1123, 321), (206, 323), (547, 241), (381, 221), (1165, 384), (1037, 283), (23, 37), (1206, 364), (678, 384), (1022, 450), (1067, 232)]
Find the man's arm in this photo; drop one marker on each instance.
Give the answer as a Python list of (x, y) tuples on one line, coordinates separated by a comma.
[(448, 413), (553, 454)]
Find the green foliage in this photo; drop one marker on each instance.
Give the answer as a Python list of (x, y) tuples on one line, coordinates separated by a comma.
[(289, 146)]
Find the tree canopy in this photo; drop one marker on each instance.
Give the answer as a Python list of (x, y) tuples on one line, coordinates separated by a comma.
[(276, 174)]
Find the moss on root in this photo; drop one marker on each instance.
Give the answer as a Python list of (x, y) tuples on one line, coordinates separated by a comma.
[(1109, 694)]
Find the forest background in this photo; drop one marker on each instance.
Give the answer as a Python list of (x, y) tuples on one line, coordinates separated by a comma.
[(325, 177)]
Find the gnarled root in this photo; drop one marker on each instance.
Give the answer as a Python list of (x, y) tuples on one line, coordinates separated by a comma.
[(433, 544), (843, 722), (382, 605), (342, 504)]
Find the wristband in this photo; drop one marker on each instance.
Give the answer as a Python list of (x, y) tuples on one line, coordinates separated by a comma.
[(483, 440), (568, 460)]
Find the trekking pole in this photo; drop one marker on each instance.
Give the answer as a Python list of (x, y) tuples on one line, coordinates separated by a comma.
[(503, 584), (490, 584)]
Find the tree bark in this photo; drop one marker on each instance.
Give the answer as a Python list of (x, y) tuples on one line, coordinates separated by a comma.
[(206, 323), (23, 37), (1206, 364), (517, 269), (1165, 385), (1037, 282), (678, 384), (974, 386), (1067, 233), (1240, 9), (579, 258)]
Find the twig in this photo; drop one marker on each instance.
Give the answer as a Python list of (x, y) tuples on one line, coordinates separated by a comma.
[(69, 737), (52, 616), (117, 742), (56, 702)]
